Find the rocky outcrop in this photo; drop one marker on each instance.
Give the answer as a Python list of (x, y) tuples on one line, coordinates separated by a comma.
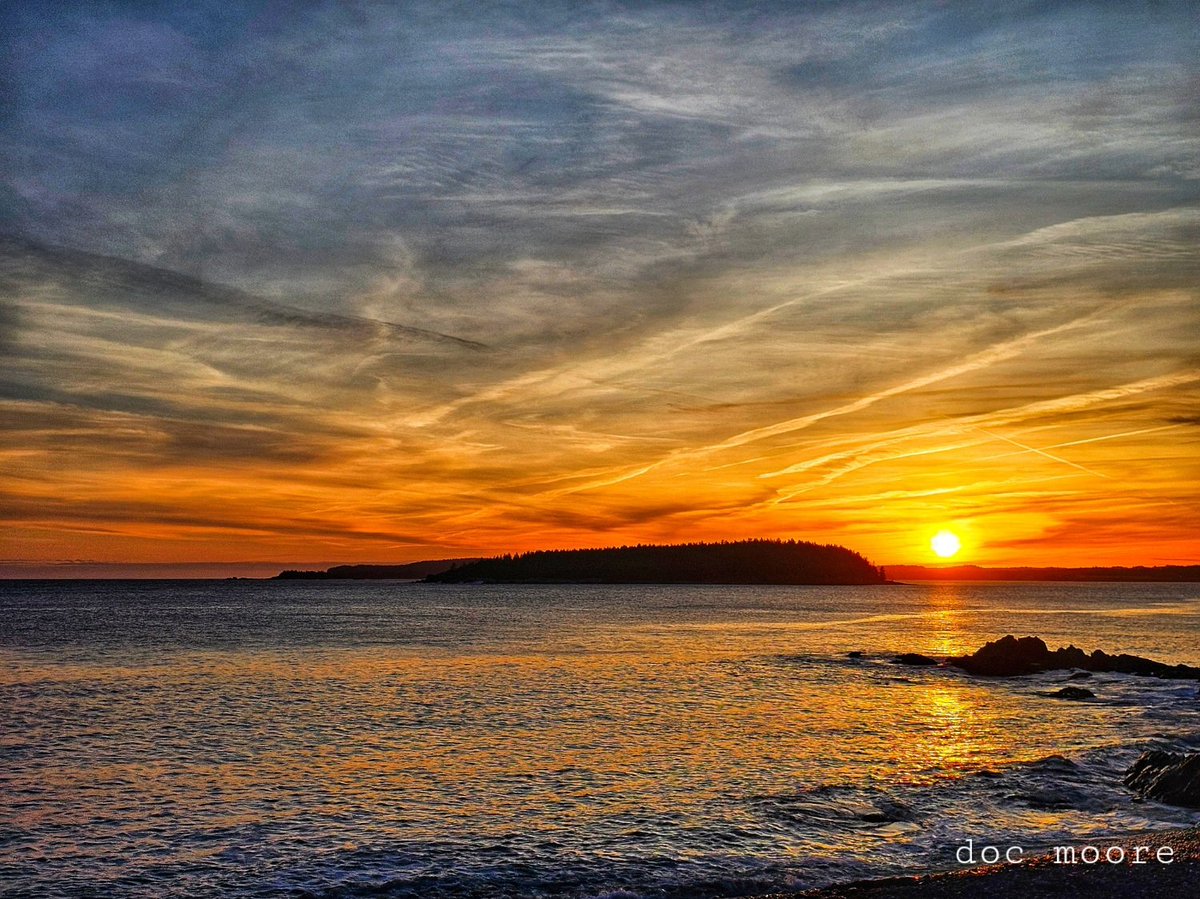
[(1010, 657), (1170, 777), (1006, 657)]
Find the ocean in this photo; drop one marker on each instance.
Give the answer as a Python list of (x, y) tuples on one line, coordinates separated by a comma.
[(339, 739)]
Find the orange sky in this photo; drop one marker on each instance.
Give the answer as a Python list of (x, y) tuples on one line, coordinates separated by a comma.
[(533, 292)]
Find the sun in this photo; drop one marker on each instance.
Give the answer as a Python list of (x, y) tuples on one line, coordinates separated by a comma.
[(945, 544)]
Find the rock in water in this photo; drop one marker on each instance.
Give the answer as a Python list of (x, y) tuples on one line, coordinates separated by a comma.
[(1070, 693), (914, 658), (1010, 657), (1006, 657), (1170, 777)]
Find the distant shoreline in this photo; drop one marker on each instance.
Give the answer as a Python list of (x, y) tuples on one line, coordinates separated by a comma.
[(420, 570), (1161, 574), (412, 571)]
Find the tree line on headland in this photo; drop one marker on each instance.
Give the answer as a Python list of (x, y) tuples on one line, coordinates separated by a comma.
[(740, 562)]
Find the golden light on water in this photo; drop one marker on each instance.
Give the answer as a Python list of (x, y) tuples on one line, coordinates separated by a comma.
[(945, 544), (567, 354)]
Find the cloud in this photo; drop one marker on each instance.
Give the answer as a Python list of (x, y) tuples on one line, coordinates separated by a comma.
[(544, 270)]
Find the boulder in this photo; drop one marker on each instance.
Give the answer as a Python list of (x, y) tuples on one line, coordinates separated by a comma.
[(1170, 777)]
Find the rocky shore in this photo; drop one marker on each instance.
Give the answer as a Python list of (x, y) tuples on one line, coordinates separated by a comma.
[(1167, 777), (1173, 778)]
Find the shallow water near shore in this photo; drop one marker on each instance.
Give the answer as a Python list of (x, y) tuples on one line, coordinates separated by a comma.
[(244, 738)]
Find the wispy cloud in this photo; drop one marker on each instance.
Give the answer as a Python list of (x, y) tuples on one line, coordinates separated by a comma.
[(366, 281)]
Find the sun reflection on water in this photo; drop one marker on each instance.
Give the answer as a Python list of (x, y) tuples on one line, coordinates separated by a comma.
[(693, 734)]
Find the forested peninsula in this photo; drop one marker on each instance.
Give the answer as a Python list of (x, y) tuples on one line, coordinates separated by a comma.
[(741, 562)]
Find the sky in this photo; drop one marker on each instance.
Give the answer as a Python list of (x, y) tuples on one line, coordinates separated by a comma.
[(377, 282)]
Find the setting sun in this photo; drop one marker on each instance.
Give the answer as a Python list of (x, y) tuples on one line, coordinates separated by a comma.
[(945, 544)]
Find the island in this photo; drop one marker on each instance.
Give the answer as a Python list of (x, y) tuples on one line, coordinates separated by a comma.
[(740, 562), (752, 573)]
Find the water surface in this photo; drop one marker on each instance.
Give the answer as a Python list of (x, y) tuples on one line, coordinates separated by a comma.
[(241, 738)]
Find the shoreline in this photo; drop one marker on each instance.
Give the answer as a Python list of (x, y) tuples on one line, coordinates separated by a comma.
[(1042, 876)]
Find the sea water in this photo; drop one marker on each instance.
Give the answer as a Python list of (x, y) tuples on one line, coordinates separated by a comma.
[(248, 738)]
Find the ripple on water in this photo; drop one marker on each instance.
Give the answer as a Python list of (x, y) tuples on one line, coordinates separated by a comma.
[(345, 740)]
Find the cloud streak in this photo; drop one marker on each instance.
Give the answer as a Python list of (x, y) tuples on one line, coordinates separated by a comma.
[(560, 274)]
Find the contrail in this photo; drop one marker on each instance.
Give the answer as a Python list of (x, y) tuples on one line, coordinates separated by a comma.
[(1007, 417), (785, 495), (1040, 452), (998, 353), (1097, 439)]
